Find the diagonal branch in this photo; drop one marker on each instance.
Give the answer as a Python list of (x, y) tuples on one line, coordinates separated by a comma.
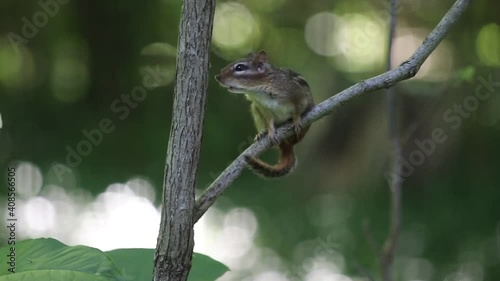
[(405, 71)]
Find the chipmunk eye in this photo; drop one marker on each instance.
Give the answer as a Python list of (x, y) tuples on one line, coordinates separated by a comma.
[(240, 67)]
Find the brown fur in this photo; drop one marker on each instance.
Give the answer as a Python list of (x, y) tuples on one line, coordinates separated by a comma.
[(277, 95), (286, 163)]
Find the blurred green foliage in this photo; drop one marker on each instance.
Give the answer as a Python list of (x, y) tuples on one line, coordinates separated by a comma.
[(74, 70)]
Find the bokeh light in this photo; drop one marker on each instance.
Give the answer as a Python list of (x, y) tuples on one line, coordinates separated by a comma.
[(362, 42), (320, 34), (437, 68), (17, 66), (142, 187), (488, 44), (270, 276), (29, 179), (39, 215), (158, 67), (121, 217), (235, 27), (322, 270), (231, 236)]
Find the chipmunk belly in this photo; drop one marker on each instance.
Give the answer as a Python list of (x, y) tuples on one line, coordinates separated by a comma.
[(278, 109)]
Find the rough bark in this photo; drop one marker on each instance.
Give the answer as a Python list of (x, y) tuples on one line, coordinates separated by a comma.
[(175, 241)]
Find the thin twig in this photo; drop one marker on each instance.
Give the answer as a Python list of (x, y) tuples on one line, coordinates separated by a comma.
[(391, 242), (370, 239), (405, 71)]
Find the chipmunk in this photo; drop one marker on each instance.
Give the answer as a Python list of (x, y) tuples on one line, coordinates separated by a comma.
[(277, 95)]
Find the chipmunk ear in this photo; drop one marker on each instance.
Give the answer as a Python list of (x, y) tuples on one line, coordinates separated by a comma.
[(261, 56), (260, 61), (251, 56)]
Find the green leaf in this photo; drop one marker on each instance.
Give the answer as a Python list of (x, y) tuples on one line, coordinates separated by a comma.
[(137, 264), (206, 269), (54, 275), (47, 259)]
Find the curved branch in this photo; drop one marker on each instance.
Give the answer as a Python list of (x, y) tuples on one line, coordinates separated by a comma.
[(405, 71)]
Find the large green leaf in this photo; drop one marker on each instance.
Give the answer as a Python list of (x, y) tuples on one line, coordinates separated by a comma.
[(47, 259), (54, 275), (137, 264)]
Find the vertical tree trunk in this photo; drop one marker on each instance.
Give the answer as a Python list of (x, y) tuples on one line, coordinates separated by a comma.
[(175, 241)]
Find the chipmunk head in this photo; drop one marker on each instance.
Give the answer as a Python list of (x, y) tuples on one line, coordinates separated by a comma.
[(245, 75)]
